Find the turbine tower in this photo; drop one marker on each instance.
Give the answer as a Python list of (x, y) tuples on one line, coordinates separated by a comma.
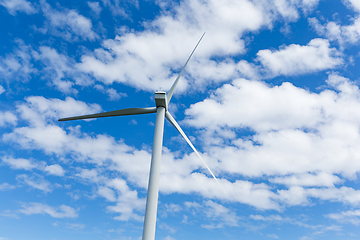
[(162, 101)]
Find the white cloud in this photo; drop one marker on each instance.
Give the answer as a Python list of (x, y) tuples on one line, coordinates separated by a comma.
[(127, 203), (289, 123), (75, 226), (320, 179), (26, 164), (120, 7), (14, 6), (353, 4), (21, 163), (296, 59), (17, 65), (301, 139), (112, 93), (173, 208), (68, 24), (6, 186), (62, 211), (334, 31), (38, 110), (218, 215), (270, 218), (2, 89), (35, 181), (7, 118), (57, 69), (146, 60), (352, 216), (277, 219), (95, 7), (8, 213), (311, 129), (107, 193), (169, 238), (343, 194), (55, 169)]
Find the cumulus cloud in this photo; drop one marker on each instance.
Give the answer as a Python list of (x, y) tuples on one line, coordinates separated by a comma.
[(21, 163), (159, 53), (310, 142), (40, 113), (62, 211), (55, 169), (127, 202), (288, 122), (296, 59), (14, 6), (7, 118)]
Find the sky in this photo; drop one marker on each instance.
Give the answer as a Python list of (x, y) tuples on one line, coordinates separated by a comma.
[(270, 99)]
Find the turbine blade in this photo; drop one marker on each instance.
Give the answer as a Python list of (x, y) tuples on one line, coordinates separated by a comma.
[(122, 112), (176, 125), (171, 91)]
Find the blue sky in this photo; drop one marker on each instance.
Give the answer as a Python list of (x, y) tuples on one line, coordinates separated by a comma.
[(270, 99)]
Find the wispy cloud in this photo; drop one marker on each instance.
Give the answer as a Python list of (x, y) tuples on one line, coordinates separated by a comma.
[(14, 6), (35, 181), (6, 186), (68, 24), (62, 211)]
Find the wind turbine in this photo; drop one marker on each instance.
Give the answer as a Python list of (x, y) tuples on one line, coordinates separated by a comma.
[(162, 101)]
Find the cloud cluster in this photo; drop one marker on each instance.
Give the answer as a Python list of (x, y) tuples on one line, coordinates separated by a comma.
[(296, 131), (151, 59), (158, 53), (343, 34), (301, 145), (304, 140), (277, 134)]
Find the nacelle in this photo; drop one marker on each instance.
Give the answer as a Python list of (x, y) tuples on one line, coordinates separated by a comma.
[(160, 99)]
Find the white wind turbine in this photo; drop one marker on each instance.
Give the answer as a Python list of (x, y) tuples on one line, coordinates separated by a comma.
[(162, 101)]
